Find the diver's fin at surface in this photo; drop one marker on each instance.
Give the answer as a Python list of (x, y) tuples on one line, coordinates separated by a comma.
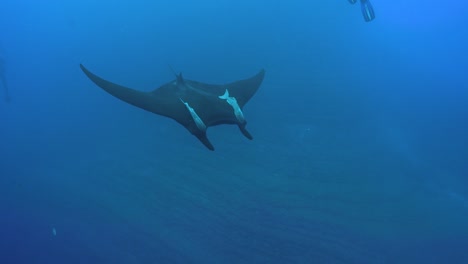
[(367, 10)]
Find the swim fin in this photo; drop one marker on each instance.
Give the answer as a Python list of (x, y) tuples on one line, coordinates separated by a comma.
[(352, 1), (367, 10)]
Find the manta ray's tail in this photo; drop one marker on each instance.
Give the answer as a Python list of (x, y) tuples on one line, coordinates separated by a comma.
[(179, 77)]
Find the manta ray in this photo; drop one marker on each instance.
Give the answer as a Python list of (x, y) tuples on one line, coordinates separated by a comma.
[(194, 105)]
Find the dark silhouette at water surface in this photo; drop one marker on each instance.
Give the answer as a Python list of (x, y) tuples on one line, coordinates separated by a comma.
[(3, 80)]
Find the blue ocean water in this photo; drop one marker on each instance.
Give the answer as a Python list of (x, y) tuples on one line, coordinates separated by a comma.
[(360, 133)]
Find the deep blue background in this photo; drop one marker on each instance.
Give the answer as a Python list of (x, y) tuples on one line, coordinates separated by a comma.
[(360, 149)]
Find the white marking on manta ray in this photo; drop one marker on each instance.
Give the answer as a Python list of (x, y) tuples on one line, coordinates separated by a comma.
[(198, 121), (198, 90), (235, 106), (190, 87)]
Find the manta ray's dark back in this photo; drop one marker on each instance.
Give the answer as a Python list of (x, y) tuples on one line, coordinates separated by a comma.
[(195, 105)]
